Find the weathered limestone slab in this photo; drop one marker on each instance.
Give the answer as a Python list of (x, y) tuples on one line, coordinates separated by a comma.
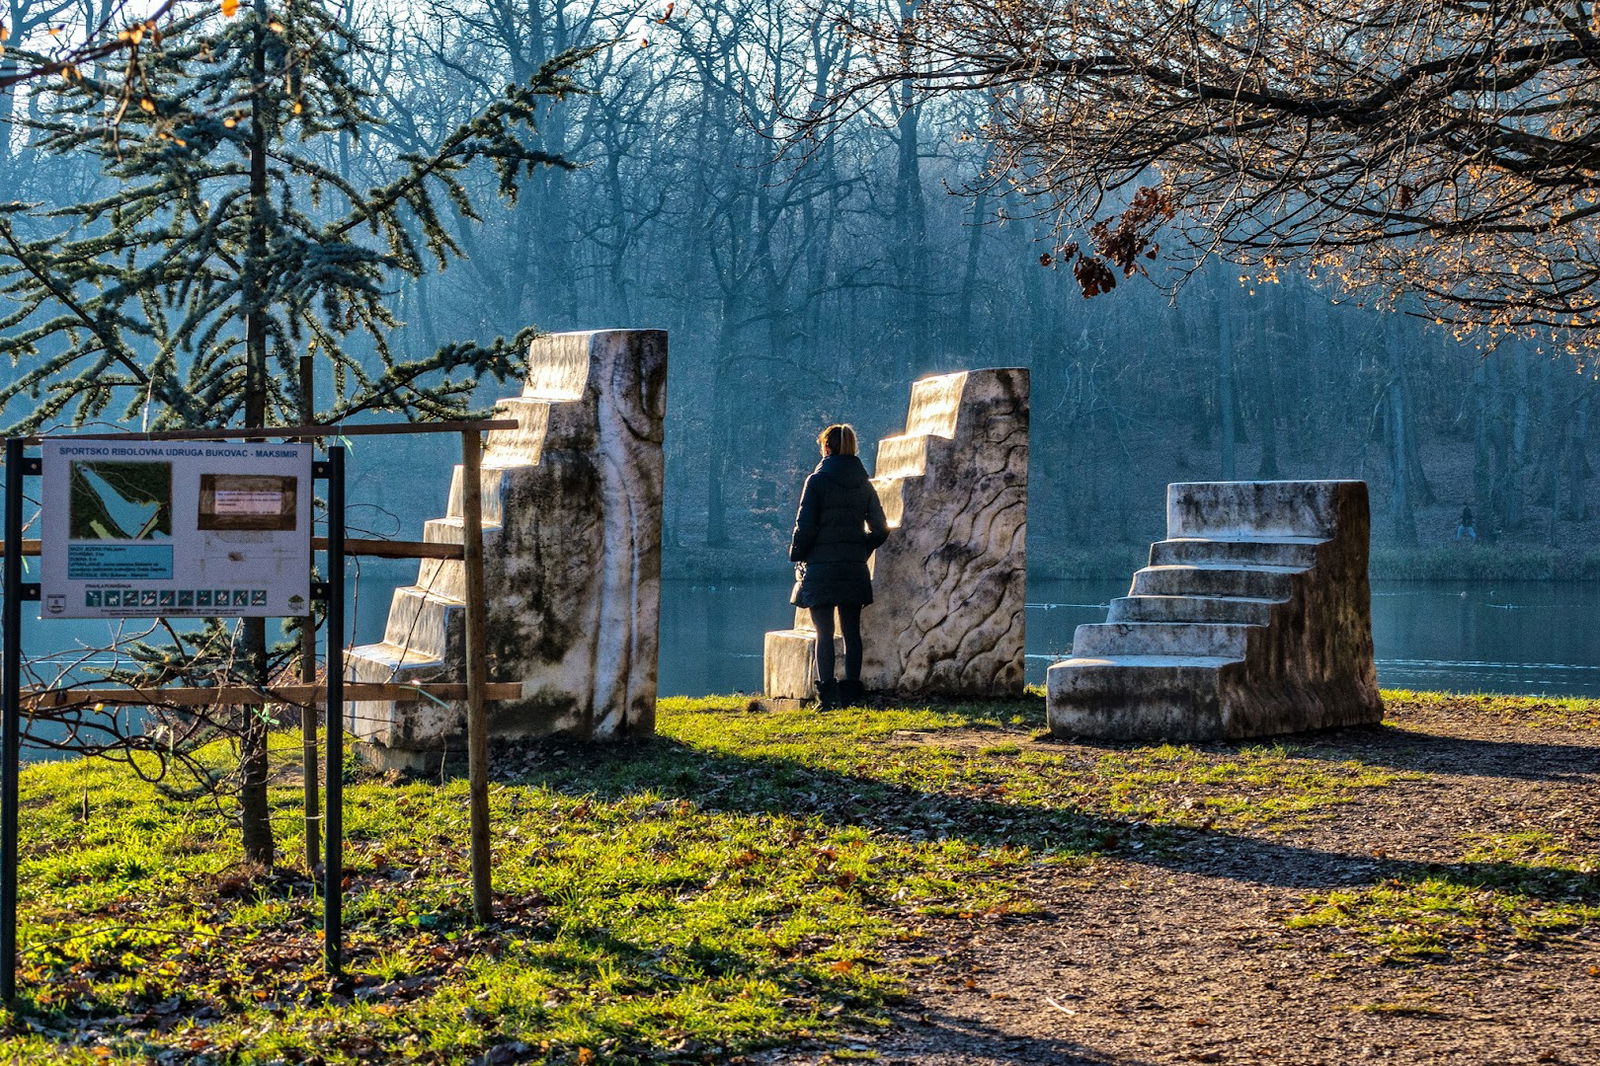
[(949, 586), (1252, 619), (788, 660), (572, 561)]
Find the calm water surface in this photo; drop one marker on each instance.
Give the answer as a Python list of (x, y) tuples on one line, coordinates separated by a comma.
[(1522, 638)]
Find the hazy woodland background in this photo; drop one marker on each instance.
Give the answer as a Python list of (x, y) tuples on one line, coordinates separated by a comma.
[(803, 287)]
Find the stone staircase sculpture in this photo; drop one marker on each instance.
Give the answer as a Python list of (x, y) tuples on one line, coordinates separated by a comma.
[(572, 562), (1252, 619), (949, 587)]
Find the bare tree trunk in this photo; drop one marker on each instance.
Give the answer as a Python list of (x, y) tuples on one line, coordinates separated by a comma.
[(1492, 450), (1402, 510), (1575, 468), (1401, 514), (720, 430), (1228, 430), (969, 275), (1267, 423), (910, 254)]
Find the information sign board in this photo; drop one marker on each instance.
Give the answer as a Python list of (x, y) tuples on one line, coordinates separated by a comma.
[(138, 529)]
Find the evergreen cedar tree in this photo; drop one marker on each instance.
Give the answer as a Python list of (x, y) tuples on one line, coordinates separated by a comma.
[(221, 215), (220, 249), (1443, 151)]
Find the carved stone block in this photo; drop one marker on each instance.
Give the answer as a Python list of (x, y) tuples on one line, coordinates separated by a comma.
[(572, 561), (949, 587), (1252, 619)]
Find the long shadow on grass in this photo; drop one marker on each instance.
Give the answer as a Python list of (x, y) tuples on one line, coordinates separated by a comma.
[(1403, 749), (767, 784)]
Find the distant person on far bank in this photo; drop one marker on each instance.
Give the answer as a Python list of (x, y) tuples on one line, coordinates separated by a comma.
[(839, 525), (1464, 526)]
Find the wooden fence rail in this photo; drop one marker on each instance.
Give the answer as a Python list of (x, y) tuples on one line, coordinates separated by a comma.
[(238, 695), (382, 549)]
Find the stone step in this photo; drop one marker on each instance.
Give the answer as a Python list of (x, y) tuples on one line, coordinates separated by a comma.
[(892, 494), (901, 456), (560, 371), (383, 720), (491, 480), (383, 663), (1105, 676), (1223, 609), (1132, 696), (451, 530), (1162, 638), (935, 405), (1299, 552), (1254, 582), (1193, 667), (443, 577), (447, 577), (523, 445), (423, 623), (1246, 510), (788, 658)]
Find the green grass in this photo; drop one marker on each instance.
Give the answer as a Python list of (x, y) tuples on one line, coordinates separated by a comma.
[(1532, 712), (732, 883), (1460, 911), (1507, 890)]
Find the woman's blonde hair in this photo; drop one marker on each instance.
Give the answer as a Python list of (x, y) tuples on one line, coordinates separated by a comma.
[(838, 439)]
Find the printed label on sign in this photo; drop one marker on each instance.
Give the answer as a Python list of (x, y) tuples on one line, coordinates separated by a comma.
[(119, 562), (240, 501)]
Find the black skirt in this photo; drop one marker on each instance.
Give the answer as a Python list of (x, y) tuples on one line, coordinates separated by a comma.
[(830, 583)]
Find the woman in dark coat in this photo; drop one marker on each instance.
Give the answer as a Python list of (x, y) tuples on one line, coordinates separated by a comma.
[(839, 526)]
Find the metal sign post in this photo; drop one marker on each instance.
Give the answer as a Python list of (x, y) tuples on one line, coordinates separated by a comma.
[(333, 861)]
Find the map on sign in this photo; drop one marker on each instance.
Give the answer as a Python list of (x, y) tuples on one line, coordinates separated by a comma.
[(121, 501), (146, 529)]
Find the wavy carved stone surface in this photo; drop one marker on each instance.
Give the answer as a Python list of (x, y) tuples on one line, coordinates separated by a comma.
[(949, 586), (572, 561), (1252, 619)]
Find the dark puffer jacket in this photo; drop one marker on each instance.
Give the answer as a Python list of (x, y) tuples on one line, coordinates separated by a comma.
[(839, 526)]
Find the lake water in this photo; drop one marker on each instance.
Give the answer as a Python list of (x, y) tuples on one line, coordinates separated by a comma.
[(1522, 638)]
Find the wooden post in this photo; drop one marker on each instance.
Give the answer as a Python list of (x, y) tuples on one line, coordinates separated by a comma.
[(308, 675), (477, 670)]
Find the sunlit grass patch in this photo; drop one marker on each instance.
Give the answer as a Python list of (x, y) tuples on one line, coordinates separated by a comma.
[(1534, 712), (1162, 785), (1519, 889), (1531, 850), (1250, 786)]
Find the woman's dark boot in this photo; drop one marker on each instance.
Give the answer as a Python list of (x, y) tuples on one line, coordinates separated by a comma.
[(852, 693), (828, 696)]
